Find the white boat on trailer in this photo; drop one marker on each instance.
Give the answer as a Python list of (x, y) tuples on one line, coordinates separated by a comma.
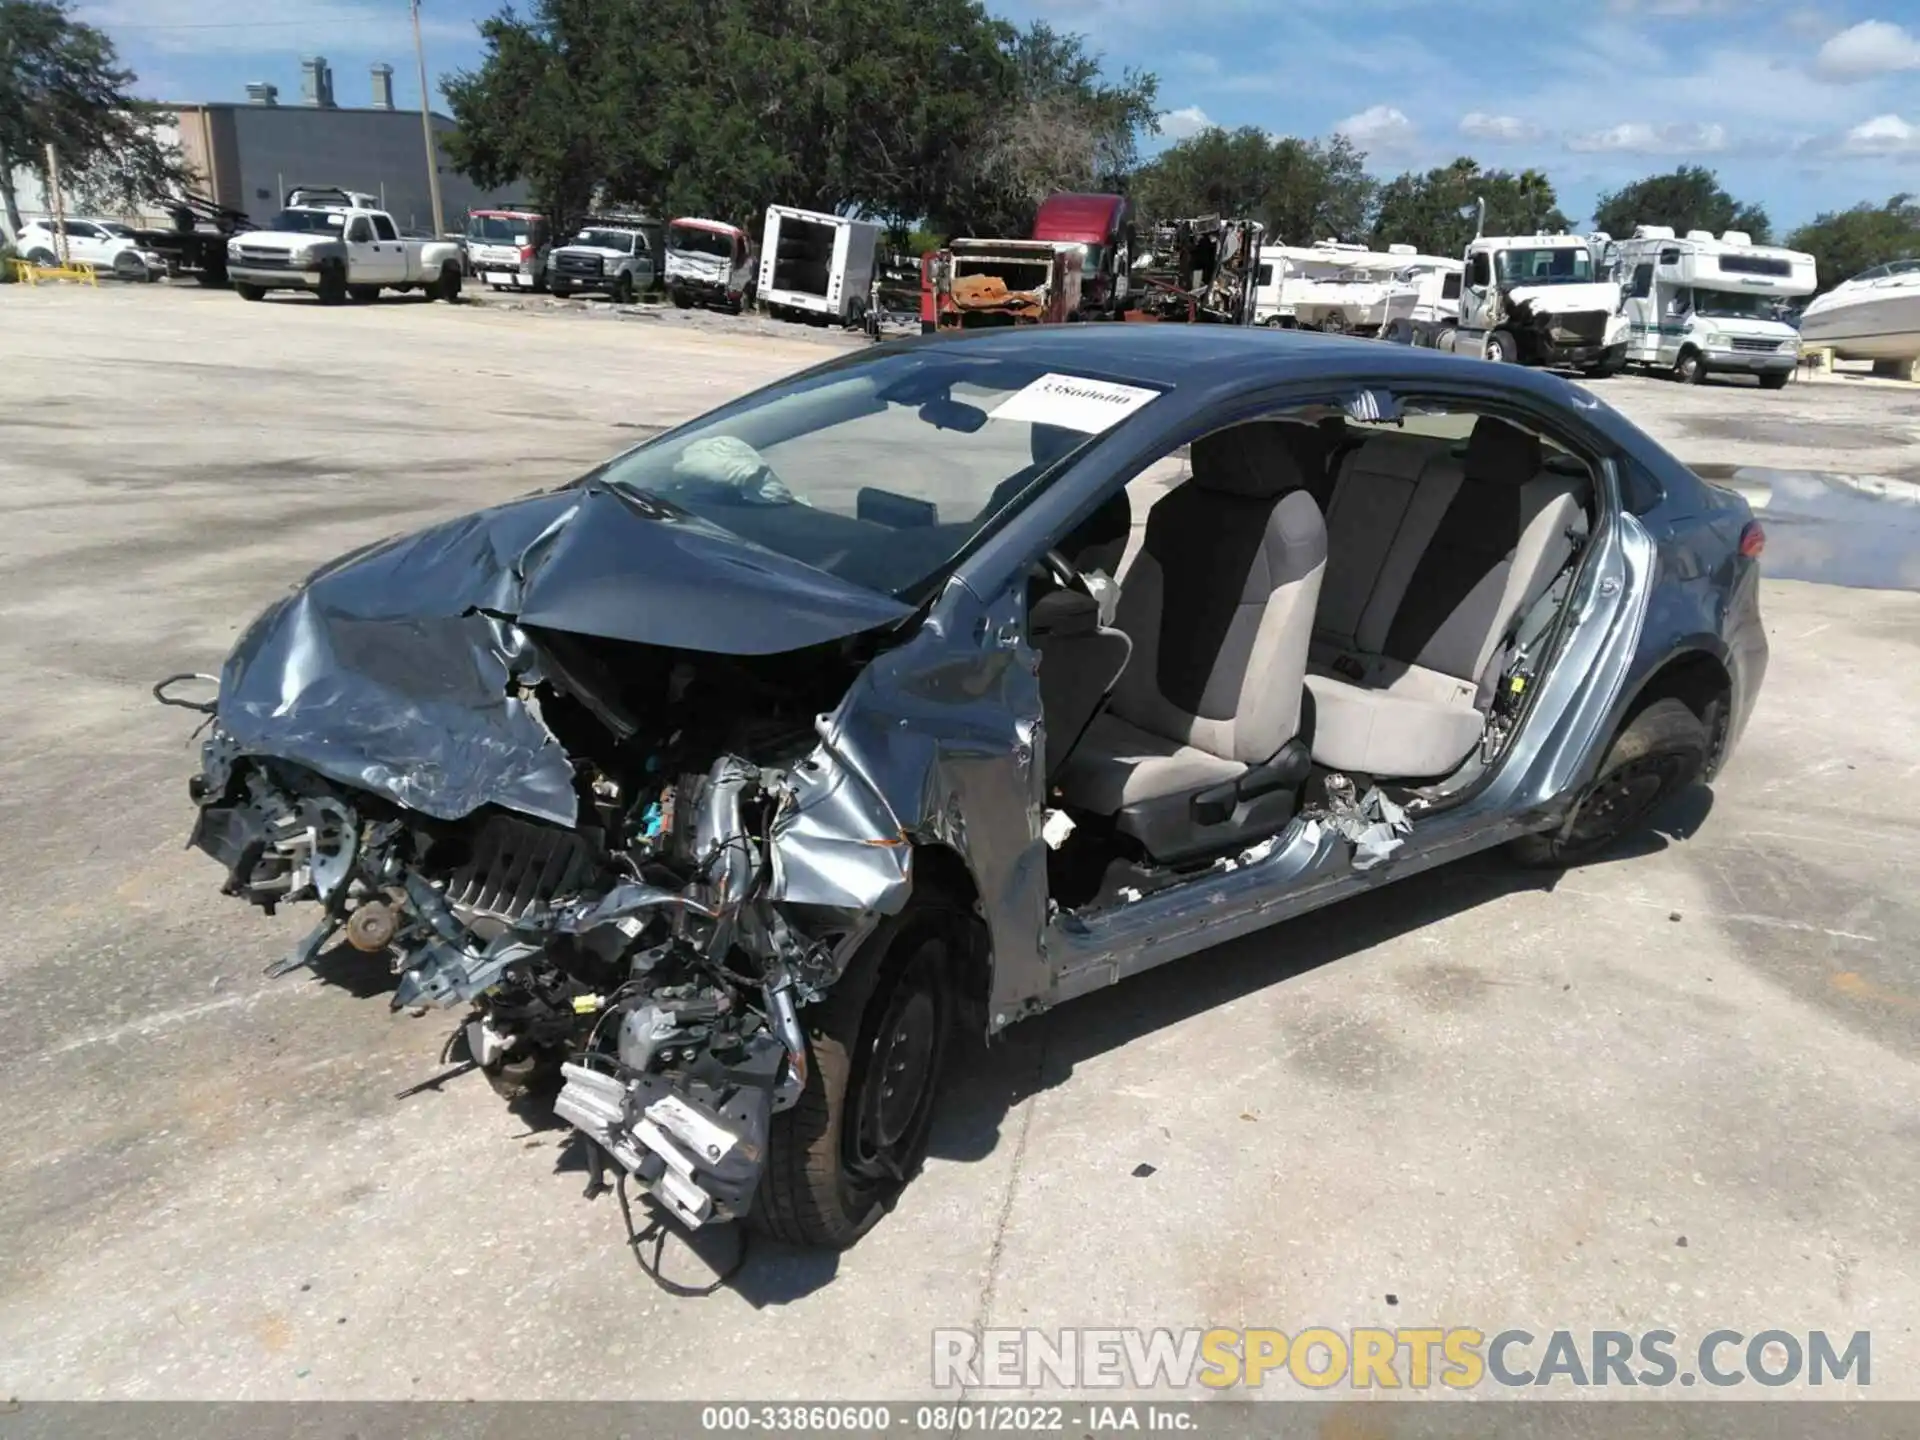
[(1873, 316)]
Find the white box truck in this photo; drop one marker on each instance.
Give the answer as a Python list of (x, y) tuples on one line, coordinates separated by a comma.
[(817, 267)]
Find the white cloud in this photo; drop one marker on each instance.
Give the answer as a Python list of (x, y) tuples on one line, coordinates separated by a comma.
[(1503, 129), (1882, 135), (1636, 137), (1184, 124), (1860, 52), (1378, 128)]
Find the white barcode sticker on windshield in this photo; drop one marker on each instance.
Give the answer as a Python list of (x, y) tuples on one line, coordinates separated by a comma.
[(1073, 403)]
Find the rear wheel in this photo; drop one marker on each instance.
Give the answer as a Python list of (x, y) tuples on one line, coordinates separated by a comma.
[(1400, 332), (448, 286), (1501, 349), (839, 1159), (364, 294), (1657, 754)]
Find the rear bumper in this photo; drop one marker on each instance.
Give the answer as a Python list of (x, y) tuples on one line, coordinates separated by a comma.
[(499, 275)]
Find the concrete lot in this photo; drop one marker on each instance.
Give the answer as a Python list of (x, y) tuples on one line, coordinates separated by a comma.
[(1676, 1089)]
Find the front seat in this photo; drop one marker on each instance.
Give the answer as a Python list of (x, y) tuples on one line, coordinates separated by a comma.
[(1200, 749)]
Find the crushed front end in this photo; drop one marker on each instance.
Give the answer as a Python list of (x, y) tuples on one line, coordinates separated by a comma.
[(630, 862)]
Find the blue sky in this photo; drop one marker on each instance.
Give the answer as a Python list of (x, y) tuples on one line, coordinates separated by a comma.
[(1801, 107)]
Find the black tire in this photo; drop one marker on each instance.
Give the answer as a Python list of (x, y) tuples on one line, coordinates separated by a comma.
[(448, 286), (248, 292), (1501, 349), (1400, 332), (1608, 366), (1775, 380), (623, 288), (681, 299), (1688, 370), (1273, 322), (363, 294), (560, 292), (840, 1158), (1658, 753), (1447, 339), (43, 257), (333, 285)]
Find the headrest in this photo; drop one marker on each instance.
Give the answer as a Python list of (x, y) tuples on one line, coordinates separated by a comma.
[(1310, 445), (1251, 460), (1109, 525), (1501, 452)]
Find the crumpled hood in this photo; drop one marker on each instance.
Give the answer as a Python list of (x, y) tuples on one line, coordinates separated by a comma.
[(395, 668), (1567, 299)]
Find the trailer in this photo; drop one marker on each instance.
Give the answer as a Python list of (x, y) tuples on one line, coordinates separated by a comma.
[(197, 243), (815, 266)]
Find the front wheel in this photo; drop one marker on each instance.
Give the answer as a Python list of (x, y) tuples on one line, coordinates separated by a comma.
[(1688, 370), (1657, 754), (46, 259), (681, 299), (333, 285), (1501, 349), (560, 292), (1774, 380), (840, 1158), (249, 292), (623, 290)]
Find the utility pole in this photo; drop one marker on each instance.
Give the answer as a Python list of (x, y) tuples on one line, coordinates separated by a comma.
[(426, 127)]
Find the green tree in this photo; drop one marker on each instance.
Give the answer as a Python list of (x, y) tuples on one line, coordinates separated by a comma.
[(1438, 212), (61, 84), (1845, 242), (1301, 190), (903, 109), (1690, 198)]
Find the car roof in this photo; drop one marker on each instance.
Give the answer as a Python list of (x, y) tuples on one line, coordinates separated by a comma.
[(1199, 356)]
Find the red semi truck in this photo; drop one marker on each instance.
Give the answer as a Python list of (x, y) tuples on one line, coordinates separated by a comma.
[(1102, 225)]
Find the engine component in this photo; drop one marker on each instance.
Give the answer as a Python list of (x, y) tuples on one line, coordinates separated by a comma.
[(518, 867)]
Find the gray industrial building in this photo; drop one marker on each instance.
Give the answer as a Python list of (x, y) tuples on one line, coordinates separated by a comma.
[(248, 153)]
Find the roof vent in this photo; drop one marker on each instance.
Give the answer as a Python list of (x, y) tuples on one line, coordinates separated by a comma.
[(1736, 237), (259, 92), (1402, 250), (1653, 232), (1706, 235), (316, 82)]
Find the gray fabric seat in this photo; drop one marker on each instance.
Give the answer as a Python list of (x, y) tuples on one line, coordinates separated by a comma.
[(1219, 606), (1432, 559)]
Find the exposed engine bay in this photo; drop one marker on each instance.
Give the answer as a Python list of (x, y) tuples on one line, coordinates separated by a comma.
[(641, 949)]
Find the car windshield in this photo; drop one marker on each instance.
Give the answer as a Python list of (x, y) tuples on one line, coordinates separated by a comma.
[(697, 240), (620, 240), (1556, 266), (317, 222), (1735, 305), (497, 229), (881, 471)]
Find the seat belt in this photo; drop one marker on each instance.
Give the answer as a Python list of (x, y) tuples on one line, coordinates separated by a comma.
[(1525, 632)]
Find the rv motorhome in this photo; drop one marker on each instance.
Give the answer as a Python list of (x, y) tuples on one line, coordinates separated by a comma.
[(1697, 305)]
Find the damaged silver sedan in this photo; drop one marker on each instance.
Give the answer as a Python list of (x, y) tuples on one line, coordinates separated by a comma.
[(721, 785)]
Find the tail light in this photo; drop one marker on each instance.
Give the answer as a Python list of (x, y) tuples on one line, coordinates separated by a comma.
[(526, 254), (1753, 540)]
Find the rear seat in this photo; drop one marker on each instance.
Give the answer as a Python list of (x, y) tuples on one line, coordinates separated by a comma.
[(1431, 559)]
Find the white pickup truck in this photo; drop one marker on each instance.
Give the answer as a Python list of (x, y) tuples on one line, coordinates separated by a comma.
[(340, 253)]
